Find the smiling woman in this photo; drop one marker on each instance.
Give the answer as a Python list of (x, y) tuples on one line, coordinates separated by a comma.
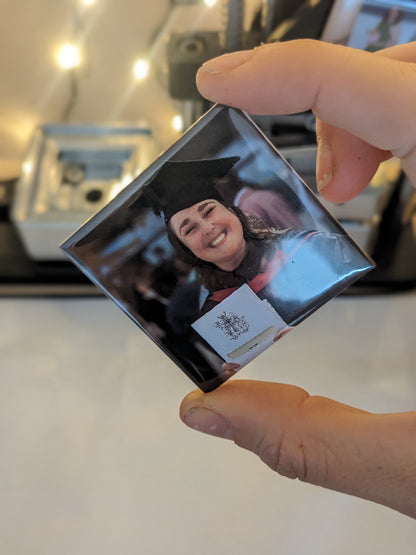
[(199, 223), (212, 232), (228, 248)]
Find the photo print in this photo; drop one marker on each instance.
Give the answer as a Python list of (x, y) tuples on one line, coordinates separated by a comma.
[(218, 249), (371, 25), (382, 24)]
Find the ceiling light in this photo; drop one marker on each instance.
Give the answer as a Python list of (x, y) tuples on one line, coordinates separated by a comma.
[(27, 167), (68, 56), (141, 69), (177, 122)]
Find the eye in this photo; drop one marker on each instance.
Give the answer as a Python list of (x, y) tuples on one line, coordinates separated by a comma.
[(208, 211), (189, 229)]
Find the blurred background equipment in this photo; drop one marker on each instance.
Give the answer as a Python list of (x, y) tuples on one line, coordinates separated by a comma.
[(69, 173), (104, 67), (186, 53)]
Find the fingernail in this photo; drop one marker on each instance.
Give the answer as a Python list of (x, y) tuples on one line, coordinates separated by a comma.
[(324, 165), (227, 62), (208, 422), (323, 182)]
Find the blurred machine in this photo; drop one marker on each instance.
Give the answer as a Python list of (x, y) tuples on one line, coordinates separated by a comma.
[(72, 171), (69, 173)]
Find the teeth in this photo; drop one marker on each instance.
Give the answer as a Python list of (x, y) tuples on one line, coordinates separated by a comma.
[(218, 240)]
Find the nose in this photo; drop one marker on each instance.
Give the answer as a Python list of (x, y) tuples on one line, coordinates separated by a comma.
[(207, 228)]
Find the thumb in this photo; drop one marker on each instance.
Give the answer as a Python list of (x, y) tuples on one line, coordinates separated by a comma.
[(314, 439)]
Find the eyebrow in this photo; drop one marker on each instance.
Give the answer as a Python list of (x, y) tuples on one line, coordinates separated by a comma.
[(200, 208)]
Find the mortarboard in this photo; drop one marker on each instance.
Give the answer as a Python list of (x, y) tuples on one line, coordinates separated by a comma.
[(181, 184)]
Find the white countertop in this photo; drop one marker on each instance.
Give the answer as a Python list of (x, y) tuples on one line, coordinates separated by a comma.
[(94, 459)]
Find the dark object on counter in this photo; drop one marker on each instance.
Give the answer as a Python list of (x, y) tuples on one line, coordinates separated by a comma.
[(307, 22), (186, 52), (395, 248), (22, 276)]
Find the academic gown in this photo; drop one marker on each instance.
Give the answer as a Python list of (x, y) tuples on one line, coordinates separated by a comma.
[(296, 272)]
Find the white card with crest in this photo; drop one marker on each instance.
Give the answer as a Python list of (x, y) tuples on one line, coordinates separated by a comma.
[(240, 327)]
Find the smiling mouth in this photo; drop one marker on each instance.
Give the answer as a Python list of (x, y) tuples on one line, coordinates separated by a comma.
[(219, 239)]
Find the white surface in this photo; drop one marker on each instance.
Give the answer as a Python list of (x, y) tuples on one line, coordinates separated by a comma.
[(94, 459)]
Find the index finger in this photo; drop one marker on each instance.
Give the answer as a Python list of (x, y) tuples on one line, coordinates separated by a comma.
[(369, 95)]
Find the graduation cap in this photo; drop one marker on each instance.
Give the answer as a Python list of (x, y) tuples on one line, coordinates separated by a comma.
[(181, 184)]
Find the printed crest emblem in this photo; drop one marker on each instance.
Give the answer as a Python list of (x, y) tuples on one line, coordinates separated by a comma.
[(232, 324)]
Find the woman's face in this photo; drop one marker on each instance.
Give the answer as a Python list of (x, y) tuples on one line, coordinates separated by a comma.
[(212, 232)]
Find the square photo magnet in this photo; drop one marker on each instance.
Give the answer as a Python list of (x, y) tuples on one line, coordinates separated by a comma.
[(218, 249)]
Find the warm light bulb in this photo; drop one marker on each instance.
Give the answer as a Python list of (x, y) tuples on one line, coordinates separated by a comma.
[(210, 3), (27, 167), (87, 2), (68, 56), (177, 122), (141, 69)]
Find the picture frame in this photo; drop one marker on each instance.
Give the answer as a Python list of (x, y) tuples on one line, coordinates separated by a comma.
[(381, 24), (371, 24), (217, 249)]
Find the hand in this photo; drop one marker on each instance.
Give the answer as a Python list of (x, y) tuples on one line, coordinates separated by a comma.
[(365, 110), (282, 333), (363, 102), (314, 439), (229, 369)]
